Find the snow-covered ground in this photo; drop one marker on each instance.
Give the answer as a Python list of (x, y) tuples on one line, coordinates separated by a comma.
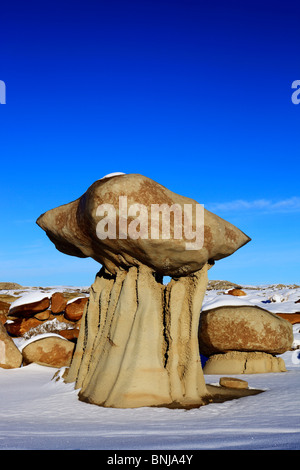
[(40, 413)]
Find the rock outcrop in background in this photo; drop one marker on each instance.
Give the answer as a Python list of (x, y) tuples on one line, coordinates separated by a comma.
[(223, 361), (33, 316)]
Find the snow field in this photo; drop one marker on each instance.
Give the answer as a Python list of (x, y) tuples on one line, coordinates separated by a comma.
[(39, 413)]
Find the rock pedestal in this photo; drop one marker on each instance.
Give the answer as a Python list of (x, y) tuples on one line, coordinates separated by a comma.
[(138, 343), (138, 340), (238, 362)]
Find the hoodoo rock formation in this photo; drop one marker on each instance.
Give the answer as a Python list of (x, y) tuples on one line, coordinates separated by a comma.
[(138, 340)]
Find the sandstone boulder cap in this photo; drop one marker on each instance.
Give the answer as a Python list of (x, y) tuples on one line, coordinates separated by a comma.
[(72, 228)]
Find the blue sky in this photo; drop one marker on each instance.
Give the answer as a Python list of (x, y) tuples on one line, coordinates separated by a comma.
[(195, 95)]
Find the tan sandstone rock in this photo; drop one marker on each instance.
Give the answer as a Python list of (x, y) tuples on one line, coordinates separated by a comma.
[(232, 382), (10, 356), (73, 229), (52, 351), (9, 286), (237, 362), (138, 340), (138, 349), (243, 328)]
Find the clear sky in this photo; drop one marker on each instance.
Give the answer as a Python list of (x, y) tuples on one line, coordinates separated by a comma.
[(195, 95)]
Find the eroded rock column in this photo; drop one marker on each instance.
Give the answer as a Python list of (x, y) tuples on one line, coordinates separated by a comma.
[(184, 297), (138, 342)]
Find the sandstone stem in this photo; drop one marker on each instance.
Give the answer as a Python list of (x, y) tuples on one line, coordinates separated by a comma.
[(138, 343)]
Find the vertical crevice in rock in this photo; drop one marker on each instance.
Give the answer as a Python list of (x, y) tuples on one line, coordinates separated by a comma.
[(183, 306), (245, 366), (79, 350), (165, 318)]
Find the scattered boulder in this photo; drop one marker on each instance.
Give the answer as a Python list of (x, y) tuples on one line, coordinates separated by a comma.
[(9, 286), (243, 328), (10, 356), (28, 305), (62, 319), (54, 325), (43, 316), (52, 351), (4, 307), (293, 318), (74, 309), (8, 298), (236, 292), (28, 311), (222, 285), (237, 362), (231, 382), (71, 334), (35, 315), (21, 326), (58, 302)]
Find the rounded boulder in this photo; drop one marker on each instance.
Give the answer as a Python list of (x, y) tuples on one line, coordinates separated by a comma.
[(29, 305), (75, 308), (52, 351), (243, 328), (58, 302), (76, 228)]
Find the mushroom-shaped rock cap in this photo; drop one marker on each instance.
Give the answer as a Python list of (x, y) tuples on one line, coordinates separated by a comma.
[(115, 222)]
